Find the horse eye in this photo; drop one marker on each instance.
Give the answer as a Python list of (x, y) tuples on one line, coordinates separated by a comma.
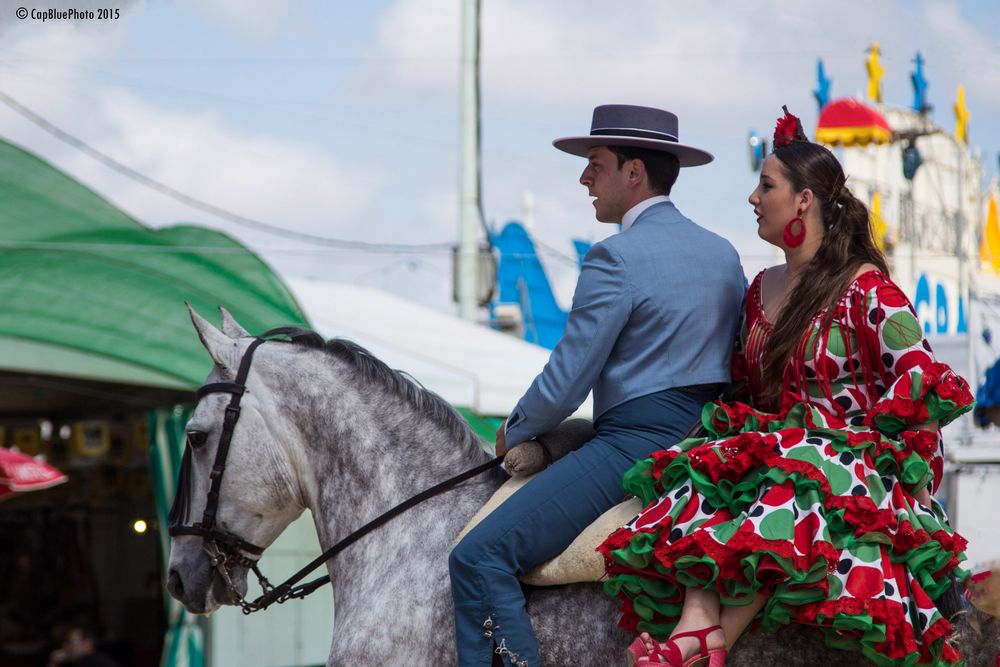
[(197, 438)]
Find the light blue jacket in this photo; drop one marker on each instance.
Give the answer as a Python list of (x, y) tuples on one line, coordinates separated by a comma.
[(656, 306)]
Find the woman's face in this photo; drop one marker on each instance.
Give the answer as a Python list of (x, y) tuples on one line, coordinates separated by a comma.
[(774, 202)]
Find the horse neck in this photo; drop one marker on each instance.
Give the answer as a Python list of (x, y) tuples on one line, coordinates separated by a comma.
[(370, 448)]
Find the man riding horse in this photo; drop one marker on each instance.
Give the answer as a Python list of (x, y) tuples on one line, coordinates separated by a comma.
[(650, 332)]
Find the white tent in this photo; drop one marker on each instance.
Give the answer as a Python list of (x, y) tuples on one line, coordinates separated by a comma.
[(467, 364)]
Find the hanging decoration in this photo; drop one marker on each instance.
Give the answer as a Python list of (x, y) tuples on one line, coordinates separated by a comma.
[(20, 472), (822, 92), (879, 226), (875, 74), (920, 104), (962, 116), (989, 249)]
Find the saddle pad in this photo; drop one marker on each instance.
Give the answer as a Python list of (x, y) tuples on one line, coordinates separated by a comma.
[(580, 562)]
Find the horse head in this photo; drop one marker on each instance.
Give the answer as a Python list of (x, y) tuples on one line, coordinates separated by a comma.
[(258, 494)]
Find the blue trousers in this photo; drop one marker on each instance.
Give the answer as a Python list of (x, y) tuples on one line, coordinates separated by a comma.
[(543, 517)]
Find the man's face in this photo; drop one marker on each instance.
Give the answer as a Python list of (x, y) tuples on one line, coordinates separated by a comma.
[(607, 183)]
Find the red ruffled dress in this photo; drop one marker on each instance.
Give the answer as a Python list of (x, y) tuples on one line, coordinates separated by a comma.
[(813, 504)]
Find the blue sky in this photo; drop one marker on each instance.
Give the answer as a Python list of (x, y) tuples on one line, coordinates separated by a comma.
[(341, 119)]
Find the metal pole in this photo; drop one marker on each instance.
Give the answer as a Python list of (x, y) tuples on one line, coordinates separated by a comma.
[(468, 191)]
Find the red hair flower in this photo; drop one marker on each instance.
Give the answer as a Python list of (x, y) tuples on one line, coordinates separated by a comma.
[(788, 129)]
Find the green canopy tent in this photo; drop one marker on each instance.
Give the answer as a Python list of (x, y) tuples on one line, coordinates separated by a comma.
[(92, 315), (87, 291)]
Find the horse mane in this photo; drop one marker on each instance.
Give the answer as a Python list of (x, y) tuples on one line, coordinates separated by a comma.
[(373, 370)]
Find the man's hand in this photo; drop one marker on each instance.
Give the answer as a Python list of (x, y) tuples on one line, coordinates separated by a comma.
[(502, 439)]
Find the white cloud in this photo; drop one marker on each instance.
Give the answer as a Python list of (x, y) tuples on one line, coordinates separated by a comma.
[(977, 59), (280, 182), (258, 19), (286, 184), (721, 64), (723, 68)]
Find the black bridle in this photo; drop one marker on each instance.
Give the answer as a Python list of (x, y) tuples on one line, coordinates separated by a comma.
[(227, 549)]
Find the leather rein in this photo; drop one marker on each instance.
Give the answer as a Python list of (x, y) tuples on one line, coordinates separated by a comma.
[(226, 549)]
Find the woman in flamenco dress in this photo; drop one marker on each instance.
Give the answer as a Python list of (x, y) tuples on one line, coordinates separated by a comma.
[(809, 499)]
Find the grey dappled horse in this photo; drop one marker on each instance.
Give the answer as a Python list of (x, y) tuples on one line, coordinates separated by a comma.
[(337, 431), (333, 429)]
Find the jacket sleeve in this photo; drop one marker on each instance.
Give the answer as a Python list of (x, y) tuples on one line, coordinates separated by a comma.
[(601, 307)]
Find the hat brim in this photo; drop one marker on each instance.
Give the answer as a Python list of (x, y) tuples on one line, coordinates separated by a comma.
[(689, 156)]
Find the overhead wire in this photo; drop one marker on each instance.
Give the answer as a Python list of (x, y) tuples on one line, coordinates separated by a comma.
[(206, 207)]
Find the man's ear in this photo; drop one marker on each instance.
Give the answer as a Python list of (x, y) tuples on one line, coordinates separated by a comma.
[(636, 173)]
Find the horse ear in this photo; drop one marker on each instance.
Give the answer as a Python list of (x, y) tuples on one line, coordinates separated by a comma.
[(222, 348), (231, 327)]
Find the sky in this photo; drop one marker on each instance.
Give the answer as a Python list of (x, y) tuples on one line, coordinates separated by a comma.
[(341, 119)]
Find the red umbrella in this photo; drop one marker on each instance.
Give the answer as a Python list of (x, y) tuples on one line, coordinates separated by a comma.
[(849, 122), (20, 472)]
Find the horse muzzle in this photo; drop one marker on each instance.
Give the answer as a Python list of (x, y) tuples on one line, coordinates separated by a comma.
[(193, 582)]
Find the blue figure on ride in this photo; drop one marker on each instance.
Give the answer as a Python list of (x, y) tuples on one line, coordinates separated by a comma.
[(650, 332)]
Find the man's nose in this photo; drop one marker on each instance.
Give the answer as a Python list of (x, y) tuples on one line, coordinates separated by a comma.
[(585, 179)]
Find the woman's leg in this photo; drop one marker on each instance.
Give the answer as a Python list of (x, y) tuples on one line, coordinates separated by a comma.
[(734, 620), (701, 610)]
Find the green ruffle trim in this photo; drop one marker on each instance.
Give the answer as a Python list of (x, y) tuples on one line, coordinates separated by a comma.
[(656, 594), (939, 409)]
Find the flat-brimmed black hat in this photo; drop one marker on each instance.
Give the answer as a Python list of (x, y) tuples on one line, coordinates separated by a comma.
[(629, 125)]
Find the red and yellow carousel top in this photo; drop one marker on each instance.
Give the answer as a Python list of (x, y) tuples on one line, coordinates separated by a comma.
[(849, 122)]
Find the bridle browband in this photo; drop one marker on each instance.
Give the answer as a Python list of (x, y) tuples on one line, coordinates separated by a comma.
[(225, 548)]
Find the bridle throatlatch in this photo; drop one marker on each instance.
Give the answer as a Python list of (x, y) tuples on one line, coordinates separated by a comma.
[(225, 549)]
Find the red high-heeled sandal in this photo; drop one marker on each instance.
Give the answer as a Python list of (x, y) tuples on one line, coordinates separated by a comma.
[(637, 650), (670, 654)]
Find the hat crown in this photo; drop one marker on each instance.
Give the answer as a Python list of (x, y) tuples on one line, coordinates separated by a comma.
[(628, 125), (635, 121)]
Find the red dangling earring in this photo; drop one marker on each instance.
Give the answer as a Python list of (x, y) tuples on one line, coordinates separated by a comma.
[(795, 231)]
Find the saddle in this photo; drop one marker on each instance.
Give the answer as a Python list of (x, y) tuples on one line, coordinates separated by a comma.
[(580, 561)]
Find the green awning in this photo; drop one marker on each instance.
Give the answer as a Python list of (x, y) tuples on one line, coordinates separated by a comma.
[(183, 642), (485, 427), (88, 291)]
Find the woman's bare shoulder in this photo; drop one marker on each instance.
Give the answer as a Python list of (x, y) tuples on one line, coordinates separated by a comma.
[(865, 268)]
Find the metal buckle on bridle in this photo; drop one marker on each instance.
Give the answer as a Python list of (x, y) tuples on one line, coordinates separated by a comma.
[(231, 415)]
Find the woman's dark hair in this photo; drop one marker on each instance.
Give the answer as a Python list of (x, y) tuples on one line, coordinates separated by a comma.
[(847, 244), (662, 168)]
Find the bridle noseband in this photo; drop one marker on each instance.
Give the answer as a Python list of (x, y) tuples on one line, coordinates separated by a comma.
[(227, 549)]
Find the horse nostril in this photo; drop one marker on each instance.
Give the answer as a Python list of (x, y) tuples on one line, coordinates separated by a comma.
[(175, 585)]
